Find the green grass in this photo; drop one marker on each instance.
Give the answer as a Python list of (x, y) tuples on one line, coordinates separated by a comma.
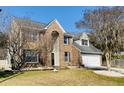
[(66, 77), (5, 74)]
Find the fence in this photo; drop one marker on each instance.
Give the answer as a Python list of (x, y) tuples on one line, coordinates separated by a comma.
[(118, 63)]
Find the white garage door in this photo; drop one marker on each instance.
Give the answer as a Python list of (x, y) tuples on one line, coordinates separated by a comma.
[(91, 60)]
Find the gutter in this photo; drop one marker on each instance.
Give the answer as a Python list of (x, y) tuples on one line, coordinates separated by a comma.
[(92, 53)]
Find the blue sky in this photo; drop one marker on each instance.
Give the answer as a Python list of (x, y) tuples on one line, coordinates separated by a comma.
[(66, 15)]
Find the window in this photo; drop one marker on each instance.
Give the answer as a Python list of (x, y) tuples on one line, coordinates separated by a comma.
[(66, 40), (30, 56), (31, 36), (67, 56), (34, 36), (84, 42)]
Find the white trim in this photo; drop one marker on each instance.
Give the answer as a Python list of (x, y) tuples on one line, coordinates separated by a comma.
[(68, 57), (55, 20), (33, 61), (67, 40), (84, 44)]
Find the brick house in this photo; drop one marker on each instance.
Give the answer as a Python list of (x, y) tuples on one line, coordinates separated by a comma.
[(49, 45), (63, 52)]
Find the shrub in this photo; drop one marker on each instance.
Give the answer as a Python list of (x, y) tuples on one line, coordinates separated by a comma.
[(118, 56)]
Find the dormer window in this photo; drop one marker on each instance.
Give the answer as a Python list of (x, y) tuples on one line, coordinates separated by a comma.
[(84, 42)]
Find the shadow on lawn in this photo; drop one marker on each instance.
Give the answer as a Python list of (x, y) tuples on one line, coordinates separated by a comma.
[(8, 75)]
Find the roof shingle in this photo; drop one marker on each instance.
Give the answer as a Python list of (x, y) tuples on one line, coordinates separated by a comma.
[(29, 23), (87, 49)]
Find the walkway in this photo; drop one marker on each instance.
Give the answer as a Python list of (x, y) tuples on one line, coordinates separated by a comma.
[(120, 70), (109, 73), (115, 72)]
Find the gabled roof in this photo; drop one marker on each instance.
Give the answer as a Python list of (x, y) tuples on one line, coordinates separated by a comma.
[(87, 49), (78, 35), (29, 23), (55, 20), (23, 22)]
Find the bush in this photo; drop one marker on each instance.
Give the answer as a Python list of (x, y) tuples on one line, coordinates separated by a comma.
[(4, 74), (118, 56)]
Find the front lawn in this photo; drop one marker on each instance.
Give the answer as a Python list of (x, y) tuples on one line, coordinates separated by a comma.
[(62, 77)]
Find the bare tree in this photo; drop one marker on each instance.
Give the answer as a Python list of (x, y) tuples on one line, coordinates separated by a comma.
[(20, 39), (15, 43), (106, 28)]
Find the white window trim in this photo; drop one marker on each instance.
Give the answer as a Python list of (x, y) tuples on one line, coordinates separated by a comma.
[(36, 61), (68, 57), (37, 36), (87, 42), (67, 41), (33, 61)]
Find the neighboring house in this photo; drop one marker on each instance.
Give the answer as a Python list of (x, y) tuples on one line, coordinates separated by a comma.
[(91, 56), (63, 52)]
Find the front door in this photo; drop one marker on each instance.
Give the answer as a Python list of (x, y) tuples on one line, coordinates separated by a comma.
[(52, 59)]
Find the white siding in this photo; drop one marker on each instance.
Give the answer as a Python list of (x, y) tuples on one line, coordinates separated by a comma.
[(83, 36), (78, 42)]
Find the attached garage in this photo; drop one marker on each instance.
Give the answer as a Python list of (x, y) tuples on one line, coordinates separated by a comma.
[(91, 60), (90, 56)]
